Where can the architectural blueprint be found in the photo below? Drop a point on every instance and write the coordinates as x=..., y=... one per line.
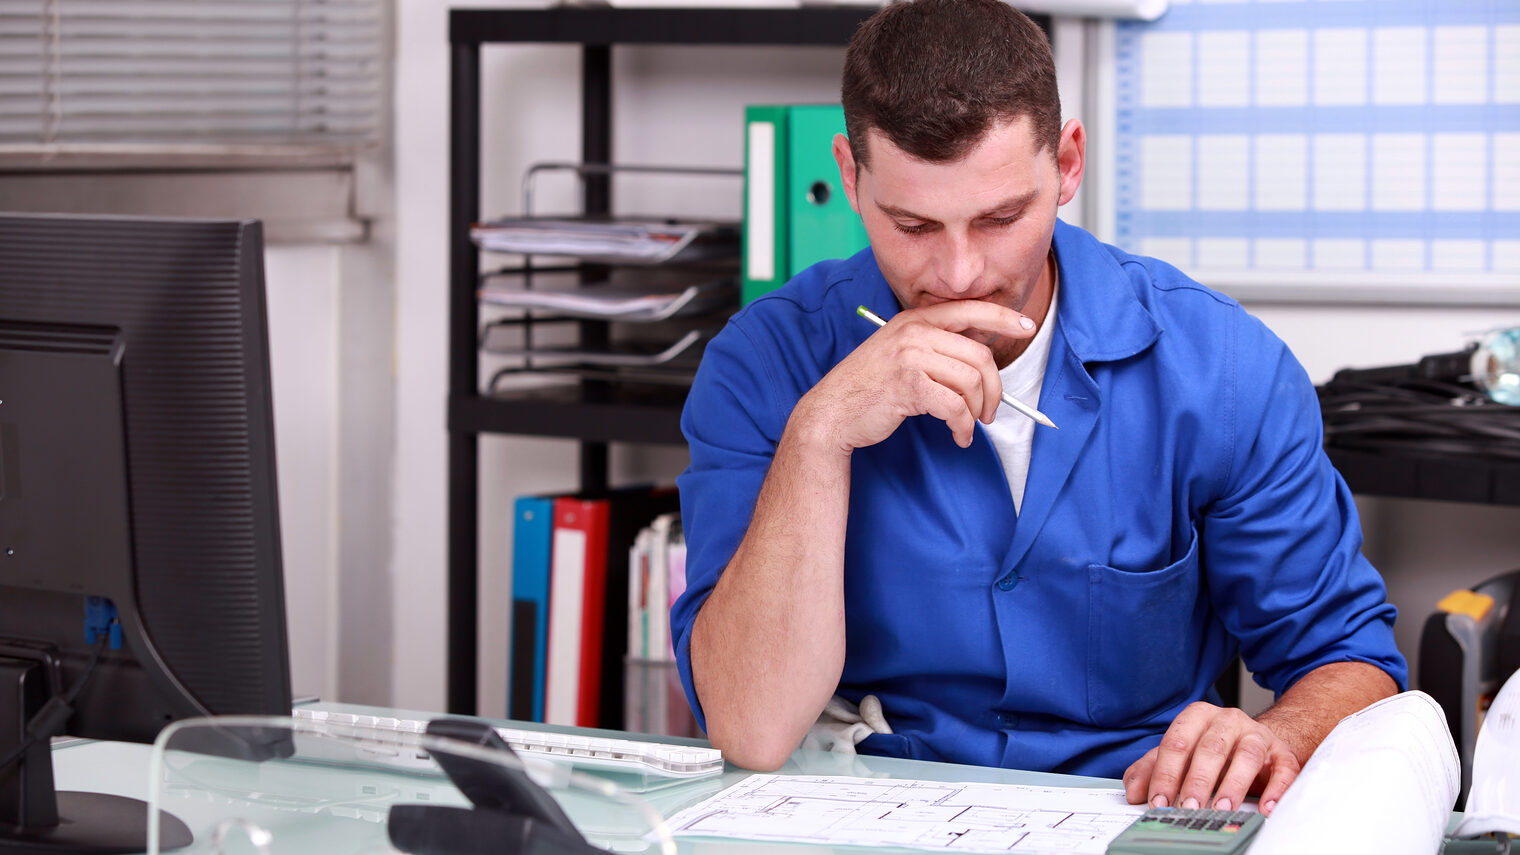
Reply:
x=838, y=811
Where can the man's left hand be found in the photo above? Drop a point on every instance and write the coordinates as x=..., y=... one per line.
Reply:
x=1213, y=757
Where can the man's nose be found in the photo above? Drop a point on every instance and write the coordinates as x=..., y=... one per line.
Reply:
x=961, y=264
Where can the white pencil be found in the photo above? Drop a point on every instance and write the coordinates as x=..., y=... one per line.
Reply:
x=1007, y=398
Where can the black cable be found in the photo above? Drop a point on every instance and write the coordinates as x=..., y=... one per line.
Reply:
x=49, y=720
x=1389, y=410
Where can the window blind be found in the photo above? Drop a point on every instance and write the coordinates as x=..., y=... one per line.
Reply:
x=240, y=77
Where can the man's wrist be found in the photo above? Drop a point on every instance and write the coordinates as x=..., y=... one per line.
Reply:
x=812, y=434
x=1294, y=733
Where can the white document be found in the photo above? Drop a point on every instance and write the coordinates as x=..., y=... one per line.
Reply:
x=1385, y=780
x=1494, y=802
x=840, y=811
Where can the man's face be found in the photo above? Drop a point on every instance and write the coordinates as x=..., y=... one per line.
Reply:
x=974, y=229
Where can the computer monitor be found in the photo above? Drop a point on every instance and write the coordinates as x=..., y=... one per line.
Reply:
x=140, y=576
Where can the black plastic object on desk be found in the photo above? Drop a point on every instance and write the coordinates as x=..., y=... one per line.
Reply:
x=510, y=813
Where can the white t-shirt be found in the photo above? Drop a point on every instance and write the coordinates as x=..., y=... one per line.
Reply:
x=1012, y=432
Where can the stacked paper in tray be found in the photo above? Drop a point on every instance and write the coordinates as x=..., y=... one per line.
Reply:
x=635, y=302
x=623, y=241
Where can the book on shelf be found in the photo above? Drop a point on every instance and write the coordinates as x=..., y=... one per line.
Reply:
x=616, y=240
x=532, y=536
x=631, y=511
x=577, y=580
x=570, y=580
x=656, y=702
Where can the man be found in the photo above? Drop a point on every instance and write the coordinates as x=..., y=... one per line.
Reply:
x=1014, y=595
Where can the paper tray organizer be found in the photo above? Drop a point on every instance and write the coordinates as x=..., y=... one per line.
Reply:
x=613, y=240
x=665, y=314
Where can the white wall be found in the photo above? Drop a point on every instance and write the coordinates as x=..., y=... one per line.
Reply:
x=683, y=105
x=330, y=329
x=302, y=306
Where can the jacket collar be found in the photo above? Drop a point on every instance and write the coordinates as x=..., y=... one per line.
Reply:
x=1101, y=317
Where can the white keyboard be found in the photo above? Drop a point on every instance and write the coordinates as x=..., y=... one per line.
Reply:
x=616, y=755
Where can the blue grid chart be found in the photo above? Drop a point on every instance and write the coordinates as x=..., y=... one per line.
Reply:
x=1345, y=137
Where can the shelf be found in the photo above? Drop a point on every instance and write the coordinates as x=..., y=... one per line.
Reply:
x=1442, y=477
x=624, y=412
x=680, y=26
x=594, y=412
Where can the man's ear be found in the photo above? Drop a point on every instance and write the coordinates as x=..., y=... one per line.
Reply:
x=1071, y=158
x=846, y=160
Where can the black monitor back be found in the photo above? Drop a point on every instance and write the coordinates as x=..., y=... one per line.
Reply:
x=166, y=506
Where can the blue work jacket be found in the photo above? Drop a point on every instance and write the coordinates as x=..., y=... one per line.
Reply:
x=1184, y=512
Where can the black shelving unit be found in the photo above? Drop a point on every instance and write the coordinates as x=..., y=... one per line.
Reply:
x=1413, y=474
x=596, y=413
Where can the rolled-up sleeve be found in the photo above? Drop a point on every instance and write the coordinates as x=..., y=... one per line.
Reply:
x=1282, y=543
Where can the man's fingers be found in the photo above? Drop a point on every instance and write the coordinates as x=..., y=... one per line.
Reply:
x=1251, y=756
x=963, y=379
x=1174, y=752
x=1285, y=769
x=1137, y=778
x=1210, y=754
x=979, y=358
x=960, y=316
x=1212, y=757
x=949, y=407
x=922, y=338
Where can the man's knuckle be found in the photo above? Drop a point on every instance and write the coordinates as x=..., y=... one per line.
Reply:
x=1164, y=779
x=1198, y=782
x=1175, y=743
x=969, y=372
x=1215, y=744
x=1254, y=748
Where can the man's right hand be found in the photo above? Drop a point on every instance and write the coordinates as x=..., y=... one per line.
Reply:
x=921, y=362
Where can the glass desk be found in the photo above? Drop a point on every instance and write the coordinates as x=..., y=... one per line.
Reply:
x=341, y=810
x=336, y=810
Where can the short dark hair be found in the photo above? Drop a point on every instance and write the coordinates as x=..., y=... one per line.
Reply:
x=934, y=76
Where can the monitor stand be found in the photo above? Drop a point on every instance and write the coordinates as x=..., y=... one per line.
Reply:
x=34, y=817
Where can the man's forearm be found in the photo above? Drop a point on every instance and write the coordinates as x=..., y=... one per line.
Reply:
x=768, y=646
x=1313, y=706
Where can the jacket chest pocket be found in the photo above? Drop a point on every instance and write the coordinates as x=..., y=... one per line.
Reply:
x=1143, y=639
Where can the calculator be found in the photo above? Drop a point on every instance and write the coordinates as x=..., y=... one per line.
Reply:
x=1165, y=831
